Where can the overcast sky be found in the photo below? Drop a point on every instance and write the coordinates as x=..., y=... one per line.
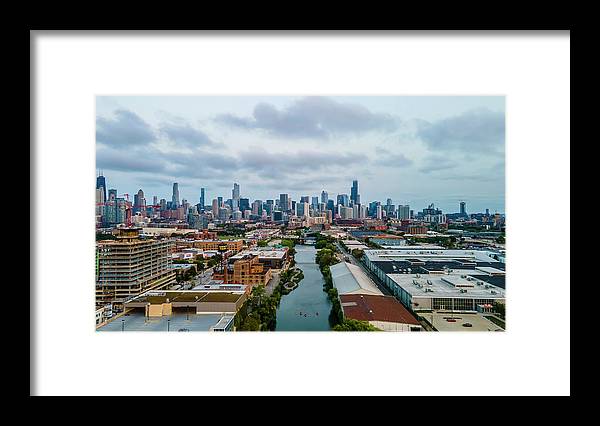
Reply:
x=413, y=149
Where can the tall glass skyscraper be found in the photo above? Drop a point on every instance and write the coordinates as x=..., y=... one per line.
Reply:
x=175, y=198
x=324, y=197
x=235, y=197
x=284, y=202
x=101, y=184
x=202, y=204
x=354, y=197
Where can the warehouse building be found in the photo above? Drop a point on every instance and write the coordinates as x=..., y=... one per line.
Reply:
x=350, y=279
x=164, y=303
x=383, y=312
x=432, y=279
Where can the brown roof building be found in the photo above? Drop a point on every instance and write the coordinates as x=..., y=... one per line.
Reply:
x=383, y=312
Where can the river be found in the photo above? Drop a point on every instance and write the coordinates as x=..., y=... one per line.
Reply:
x=307, y=307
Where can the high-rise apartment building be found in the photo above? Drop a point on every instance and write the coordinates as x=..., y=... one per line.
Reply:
x=128, y=266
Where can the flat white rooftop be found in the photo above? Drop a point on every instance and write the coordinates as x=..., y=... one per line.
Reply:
x=428, y=253
x=491, y=271
x=446, y=286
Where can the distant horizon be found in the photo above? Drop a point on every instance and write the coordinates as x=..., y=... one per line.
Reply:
x=416, y=150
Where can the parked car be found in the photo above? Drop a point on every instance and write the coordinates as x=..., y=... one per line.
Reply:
x=467, y=324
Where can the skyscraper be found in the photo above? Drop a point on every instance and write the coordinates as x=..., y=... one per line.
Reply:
x=284, y=202
x=175, y=198
x=354, y=197
x=215, y=208
x=235, y=197
x=202, y=199
x=463, y=208
x=404, y=212
x=101, y=184
x=315, y=203
x=342, y=199
x=324, y=197
x=139, y=202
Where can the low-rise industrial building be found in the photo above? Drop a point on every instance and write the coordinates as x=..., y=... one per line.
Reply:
x=383, y=312
x=432, y=279
x=164, y=303
x=351, y=279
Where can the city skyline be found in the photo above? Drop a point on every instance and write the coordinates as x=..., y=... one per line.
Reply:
x=208, y=201
x=413, y=150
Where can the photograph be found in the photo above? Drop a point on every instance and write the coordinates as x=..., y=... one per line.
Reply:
x=300, y=213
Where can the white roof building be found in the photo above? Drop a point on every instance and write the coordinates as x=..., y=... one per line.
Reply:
x=350, y=279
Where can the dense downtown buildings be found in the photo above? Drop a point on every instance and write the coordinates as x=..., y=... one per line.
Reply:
x=396, y=268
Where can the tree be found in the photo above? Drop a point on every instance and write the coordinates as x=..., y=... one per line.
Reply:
x=355, y=325
x=357, y=253
x=262, y=243
x=500, y=308
x=251, y=323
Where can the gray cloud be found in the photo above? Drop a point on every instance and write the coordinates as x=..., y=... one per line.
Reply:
x=436, y=163
x=274, y=164
x=391, y=159
x=312, y=117
x=479, y=130
x=185, y=135
x=111, y=159
x=124, y=130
